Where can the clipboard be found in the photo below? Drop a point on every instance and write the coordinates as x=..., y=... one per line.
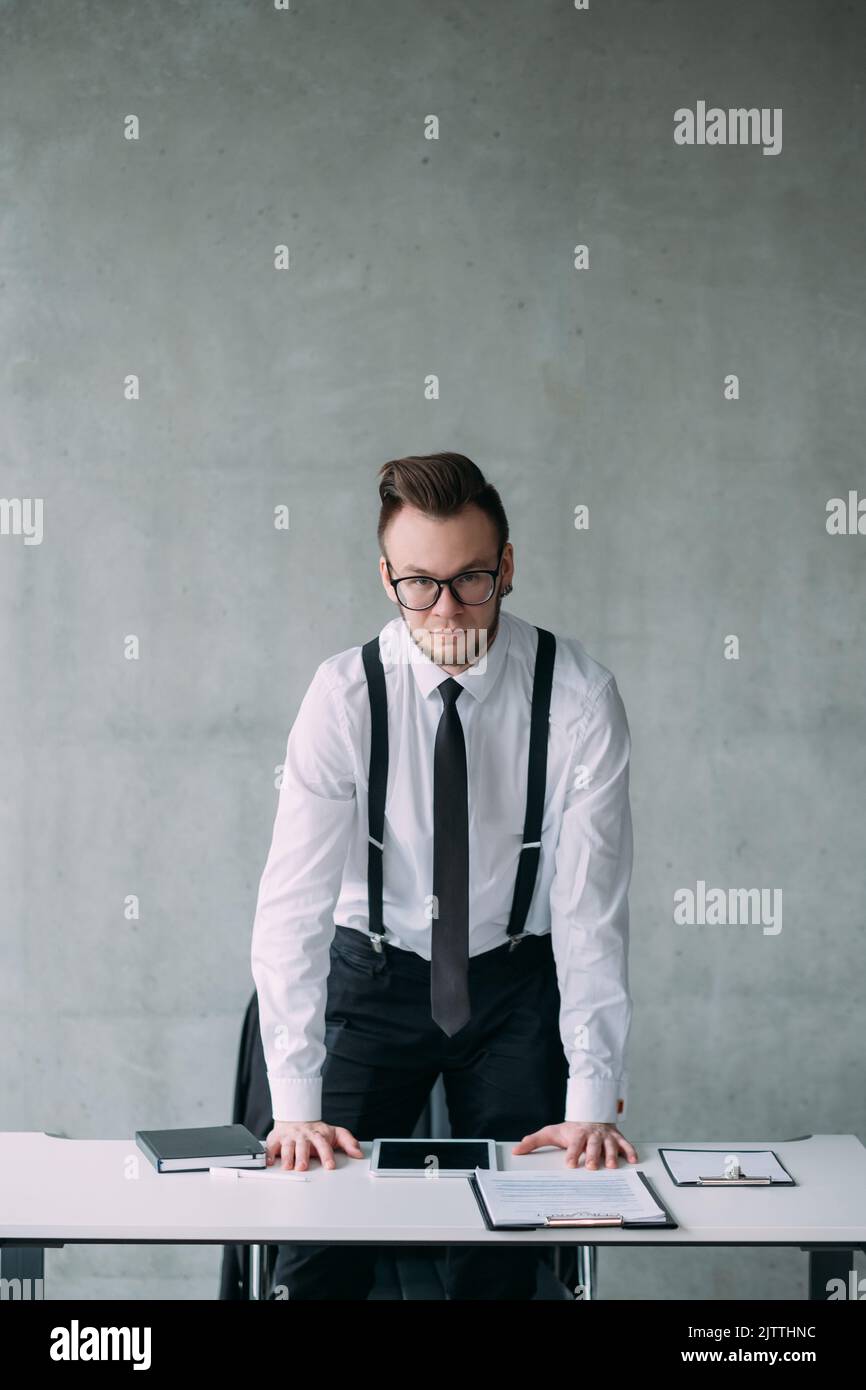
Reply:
x=717, y=1183
x=554, y=1223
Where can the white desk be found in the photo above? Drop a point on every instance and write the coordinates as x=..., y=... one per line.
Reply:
x=56, y=1192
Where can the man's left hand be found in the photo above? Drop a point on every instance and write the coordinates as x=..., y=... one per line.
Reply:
x=597, y=1140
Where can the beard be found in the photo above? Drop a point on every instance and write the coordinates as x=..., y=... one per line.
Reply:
x=464, y=649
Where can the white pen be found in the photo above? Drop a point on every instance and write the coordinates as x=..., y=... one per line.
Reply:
x=274, y=1172
x=234, y=1173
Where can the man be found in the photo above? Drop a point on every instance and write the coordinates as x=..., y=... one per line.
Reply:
x=357, y=1024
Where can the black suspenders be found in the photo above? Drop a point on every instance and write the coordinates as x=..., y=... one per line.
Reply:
x=377, y=785
x=537, y=775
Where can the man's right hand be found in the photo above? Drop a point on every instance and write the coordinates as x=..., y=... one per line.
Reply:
x=296, y=1140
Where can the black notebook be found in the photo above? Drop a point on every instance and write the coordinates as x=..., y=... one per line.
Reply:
x=207, y=1146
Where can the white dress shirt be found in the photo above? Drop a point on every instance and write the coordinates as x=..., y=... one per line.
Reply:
x=316, y=870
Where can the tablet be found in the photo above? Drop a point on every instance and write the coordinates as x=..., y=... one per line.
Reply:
x=418, y=1158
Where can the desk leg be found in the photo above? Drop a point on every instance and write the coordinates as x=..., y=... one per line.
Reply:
x=26, y=1264
x=825, y=1265
x=259, y=1272
x=586, y=1270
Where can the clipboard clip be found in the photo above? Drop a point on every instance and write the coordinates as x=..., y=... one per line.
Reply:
x=566, y=1220
x=741, y=1181
x=733, y=1176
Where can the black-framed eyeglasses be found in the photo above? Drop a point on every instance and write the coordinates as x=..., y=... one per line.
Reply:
x=422, y=591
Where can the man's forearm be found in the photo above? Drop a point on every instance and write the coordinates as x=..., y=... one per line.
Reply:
x=294, y=920
x=590, y=917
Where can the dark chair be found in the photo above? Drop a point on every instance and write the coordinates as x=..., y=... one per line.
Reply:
x=251, y=1107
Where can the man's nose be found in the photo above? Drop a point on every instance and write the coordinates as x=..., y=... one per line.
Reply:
x=446, y=606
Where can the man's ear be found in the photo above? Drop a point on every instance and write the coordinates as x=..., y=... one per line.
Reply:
x=508, y=561
x=386, y=580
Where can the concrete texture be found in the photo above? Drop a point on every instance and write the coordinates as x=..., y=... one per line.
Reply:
x=603, y=386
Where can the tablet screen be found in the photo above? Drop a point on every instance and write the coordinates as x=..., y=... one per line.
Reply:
x=450, y=1153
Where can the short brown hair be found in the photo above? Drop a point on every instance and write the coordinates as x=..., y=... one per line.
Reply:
x=438, y=485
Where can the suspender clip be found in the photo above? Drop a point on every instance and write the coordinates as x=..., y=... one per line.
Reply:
x=516, y=940
x=376, y=939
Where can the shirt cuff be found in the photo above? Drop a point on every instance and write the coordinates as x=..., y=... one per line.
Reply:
x=296, y=1097
x=594, y=1102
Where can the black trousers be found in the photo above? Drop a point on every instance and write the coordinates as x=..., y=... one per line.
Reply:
x=504, y=1073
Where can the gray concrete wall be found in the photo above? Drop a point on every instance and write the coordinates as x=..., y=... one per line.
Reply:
x=602, y=386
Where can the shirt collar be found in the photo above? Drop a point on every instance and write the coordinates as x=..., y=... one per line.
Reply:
x=479, y=679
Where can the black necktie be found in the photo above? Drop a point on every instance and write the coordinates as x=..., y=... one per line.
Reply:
x=449, y=972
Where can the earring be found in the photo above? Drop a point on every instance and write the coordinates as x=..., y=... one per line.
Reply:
x=507, y=590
